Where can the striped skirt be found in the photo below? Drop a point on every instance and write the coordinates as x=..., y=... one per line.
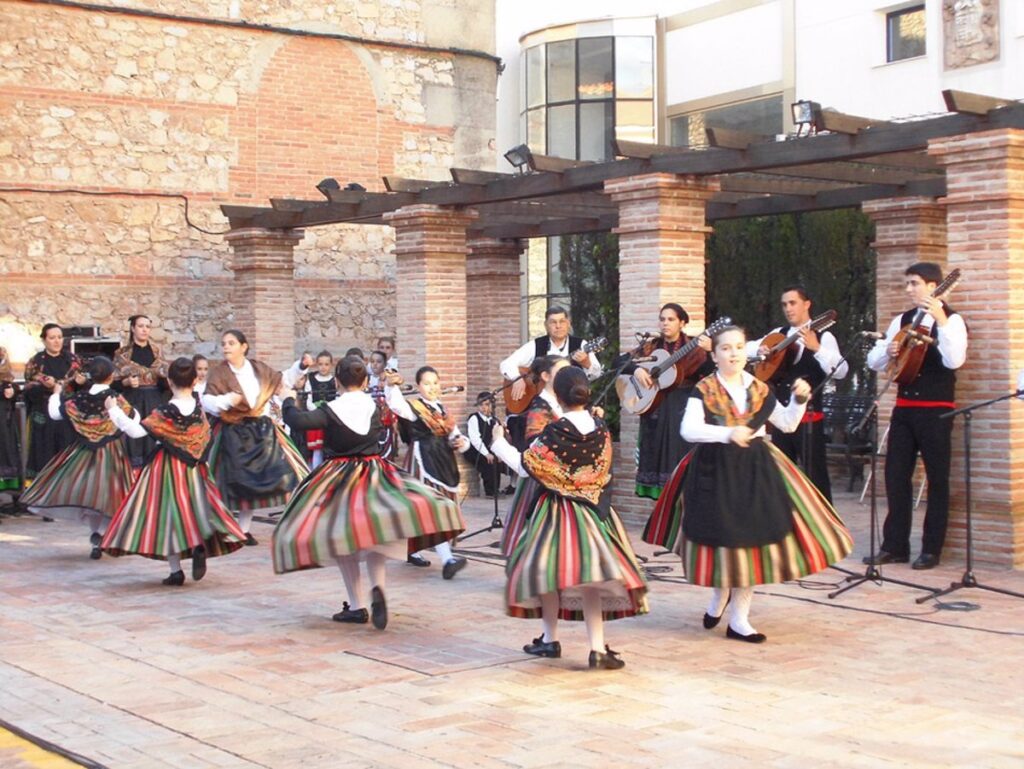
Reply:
x=82, y=480
x=518, y=514
x=276, y=499
x=171, y=509
x=349, y=505
x=566, y=546
x=819, y=537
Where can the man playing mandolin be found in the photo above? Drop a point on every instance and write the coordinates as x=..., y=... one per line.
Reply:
x=811, y=356
x=932, y=338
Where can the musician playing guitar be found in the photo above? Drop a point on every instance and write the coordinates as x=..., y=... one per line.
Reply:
x=660, y=444
x=915, y=427
x=812, y=356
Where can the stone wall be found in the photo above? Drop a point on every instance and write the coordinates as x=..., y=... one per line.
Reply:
x=137, y=108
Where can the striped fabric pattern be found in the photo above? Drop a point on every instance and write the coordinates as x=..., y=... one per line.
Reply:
x=819, y=539
x=172, y=509
x=518, y=514
x=350, y=504
x=666, y=522
x=292, y=455
x=81, y=480
x=564, y=546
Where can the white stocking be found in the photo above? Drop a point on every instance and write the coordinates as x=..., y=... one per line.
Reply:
x=174, y=561
x=349, y=566
x=593, y=618
x=317, y=459
x=549, y=615
x=719, y=598
x=245, y=520
x=740, y=610
x=445, y=551
x=375, y=567
x=95, y=521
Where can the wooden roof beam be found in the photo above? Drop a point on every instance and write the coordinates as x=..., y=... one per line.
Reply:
x=732, y=139
x=972, y=103
x=835, y=121
x=473, y=176
x=401, y=184
x=552, y=164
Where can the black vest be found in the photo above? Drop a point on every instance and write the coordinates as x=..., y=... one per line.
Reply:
x=806, y=368
x=340, y=440
x=934, y=382
x=542, y=344
x=322, y=392
x=486, y=429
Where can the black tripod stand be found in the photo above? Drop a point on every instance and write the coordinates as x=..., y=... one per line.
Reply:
x=873, y=572
x=968, y=579
x=496, y=522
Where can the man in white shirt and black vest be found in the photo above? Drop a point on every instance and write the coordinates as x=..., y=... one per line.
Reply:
x=814, y=355
x=558, y=341
x=915, y=426
x=479, y=429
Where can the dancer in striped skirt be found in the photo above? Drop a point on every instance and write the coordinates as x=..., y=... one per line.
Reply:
x=90, y=478
x=174, y=510
x=356, y=505
x=739, y=512
x=543, y=410
x=573, y=559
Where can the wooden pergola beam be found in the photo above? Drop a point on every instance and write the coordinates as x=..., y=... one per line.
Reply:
x=401, y=184
x=473, y=176
x=972, y=103
x=839, y=122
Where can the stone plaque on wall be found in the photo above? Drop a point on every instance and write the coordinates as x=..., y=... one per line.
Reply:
x=970, y=32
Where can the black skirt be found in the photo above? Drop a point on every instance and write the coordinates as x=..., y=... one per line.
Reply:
x=660, y=446
x=10, y=461
x=143, y=400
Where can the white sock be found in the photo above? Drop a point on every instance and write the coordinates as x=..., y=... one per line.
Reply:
x=593, y=618
x=95, y=521
x=375, y=567
x=549, y=616
x=445, y=551
x=349, y=566
x=719, y=597
x=739, y=610
x=174, y=561
x=245, y=520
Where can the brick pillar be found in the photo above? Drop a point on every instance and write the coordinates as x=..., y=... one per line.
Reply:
x=661, y=231
x=430, y=256
x=493, y=309
x=907, y=230
x=985, y=224
x=263, y=297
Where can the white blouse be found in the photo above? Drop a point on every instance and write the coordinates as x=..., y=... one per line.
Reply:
x=696, y=430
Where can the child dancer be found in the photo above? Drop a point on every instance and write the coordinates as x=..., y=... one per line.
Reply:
x=574, y=558
x=90, y=478
x=433, y=440
x=320, y=388
x=356, y=506
x=741, y=513
x=174, y=510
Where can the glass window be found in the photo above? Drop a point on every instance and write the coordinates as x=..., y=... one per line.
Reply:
x=555, y=284
x=562, y=131
x=536, y=135
x=634, y=121
x=634, y=68
x=760, y=116
x=905, y=33
x=535, y=76
x=597, y=125
x=595, y=68
x=561, y=71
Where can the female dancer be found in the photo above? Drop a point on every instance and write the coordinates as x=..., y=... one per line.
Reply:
x=90, y=478
x=356, y=506
x=174, y=510
x=574, y=558
x=48, y=437
x=543, y=410
x=660, y=446
x=253, y=462
x=10, y=459
x=740, y=513
x=433, y=440
x=142, y=372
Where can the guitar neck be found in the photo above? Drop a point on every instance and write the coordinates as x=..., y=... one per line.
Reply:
x=679, y=354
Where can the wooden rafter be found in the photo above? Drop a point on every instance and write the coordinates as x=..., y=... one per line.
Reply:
x=972, y=103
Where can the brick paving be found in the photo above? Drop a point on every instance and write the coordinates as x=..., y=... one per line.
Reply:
x=245, y=669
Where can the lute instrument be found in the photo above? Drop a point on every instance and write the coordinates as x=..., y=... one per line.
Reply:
x=637, y=399
x=780, y=346
x=914, y=339
x=519, y=405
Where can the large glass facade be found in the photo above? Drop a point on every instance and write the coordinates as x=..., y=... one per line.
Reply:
x=580, y=94
x=759, y=116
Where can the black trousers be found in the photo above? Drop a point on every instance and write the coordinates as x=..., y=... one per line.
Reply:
x=914, y=431
x=792, y=445
x=491, y=474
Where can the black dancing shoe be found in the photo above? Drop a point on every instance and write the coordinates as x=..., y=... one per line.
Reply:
x=606, y=660
x=250, y=539
x=378, y=608
x=750, y=638
x=925, y=561
x=883, y=557
x=417, y=560
x=541, y=648
x=453, y=567
x=176, y=579
x=711, y=621
x=510, y=489
x=95, y=539
x=355, y=616
x=198, y=563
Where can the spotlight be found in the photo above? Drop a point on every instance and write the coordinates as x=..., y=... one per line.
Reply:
x=355, y=187
x=519, y=157
x=806, y=113
x=326, y=186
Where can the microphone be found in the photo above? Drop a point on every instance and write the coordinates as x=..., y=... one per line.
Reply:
x=646, y=359
x=756, y=359
x=453, y=389
x=871, y=334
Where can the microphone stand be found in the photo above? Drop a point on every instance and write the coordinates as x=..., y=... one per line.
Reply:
x=496, y=522
x=968, y=579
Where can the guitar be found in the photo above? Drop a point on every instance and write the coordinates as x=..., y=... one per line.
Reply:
x=914, y=339
x=637, y=399
x=780, y=345
x=519, y=405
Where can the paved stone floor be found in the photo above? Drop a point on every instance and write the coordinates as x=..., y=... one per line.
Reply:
x=245, y=669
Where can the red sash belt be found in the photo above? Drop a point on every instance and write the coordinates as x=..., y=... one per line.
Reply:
x=906, y=403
